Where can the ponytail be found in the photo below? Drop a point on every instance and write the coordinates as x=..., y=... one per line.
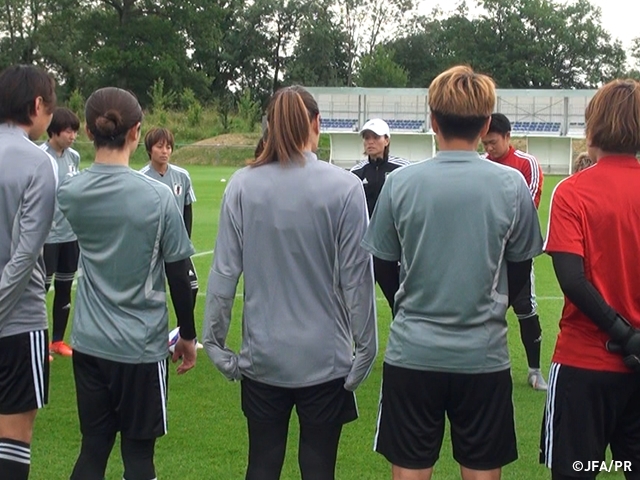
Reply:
x=289, y=118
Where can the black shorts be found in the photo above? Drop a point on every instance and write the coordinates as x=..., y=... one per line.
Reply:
x=411, y=418
x=586, y=411
x=525, y=305
x=121, y=397
x=325, y=404
x=193, y=276
x=24, y=372
x=61, y=259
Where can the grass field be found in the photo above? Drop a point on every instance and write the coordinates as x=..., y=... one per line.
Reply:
x=207, y=434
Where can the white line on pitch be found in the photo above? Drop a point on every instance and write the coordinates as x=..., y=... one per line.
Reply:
x=202, y=254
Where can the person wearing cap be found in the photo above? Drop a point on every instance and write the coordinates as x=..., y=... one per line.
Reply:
x=373, y=171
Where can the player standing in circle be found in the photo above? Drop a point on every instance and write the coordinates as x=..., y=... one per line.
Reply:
x=292, y=225
x=447, y=353
x=28, y=190
x=160, y=143
x=594, y=224
x=128, y=228
x=61, y=249
x=373, y=171
x=497, y=144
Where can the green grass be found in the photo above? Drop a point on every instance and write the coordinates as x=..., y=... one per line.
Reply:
x=207, y=437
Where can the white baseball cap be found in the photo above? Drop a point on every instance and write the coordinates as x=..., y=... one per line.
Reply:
x=377, y=126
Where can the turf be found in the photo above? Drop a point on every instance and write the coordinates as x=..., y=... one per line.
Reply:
x=207, y=433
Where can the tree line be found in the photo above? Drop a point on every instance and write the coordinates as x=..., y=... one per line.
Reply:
x=221, y=50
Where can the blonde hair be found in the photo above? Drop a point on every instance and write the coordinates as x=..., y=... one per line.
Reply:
x=581, y=162
x=613, y=117
x=461, y=101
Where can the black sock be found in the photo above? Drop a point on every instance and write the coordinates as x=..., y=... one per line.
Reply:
x=318, y=451
x=267, y=447
x=531, y=335
x=15, y=459
x=61, y=309
x=137, y=456
x=93, y=458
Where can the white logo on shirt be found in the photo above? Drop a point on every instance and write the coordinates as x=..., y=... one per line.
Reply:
x=364, y=182
x=177, y=189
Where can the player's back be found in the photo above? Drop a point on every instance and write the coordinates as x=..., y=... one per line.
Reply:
x=605, y=203
x=455, y=215
x=292, y=219
x=120, y=219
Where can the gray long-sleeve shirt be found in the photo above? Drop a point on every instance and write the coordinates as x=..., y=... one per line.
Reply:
x=294, y=233
x=68, y=164
x=27, y=199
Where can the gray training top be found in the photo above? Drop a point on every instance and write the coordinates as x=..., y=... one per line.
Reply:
x=27, y=197
x=68, y=164
x=127, y=225
x=294, y=232
x=453, y=221
x=178, y=180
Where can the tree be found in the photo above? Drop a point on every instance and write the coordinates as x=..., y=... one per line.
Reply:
x=320, y=56
x=634, y=72
x=217, y=38
x=278, y=22
x=434, y=44
x=367, y=23
x=379, y=70
x=520, y=43
x=131, y=43
x=20, y=21
x=545, y=44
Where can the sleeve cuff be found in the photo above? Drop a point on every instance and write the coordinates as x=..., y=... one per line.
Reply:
x=391, y=257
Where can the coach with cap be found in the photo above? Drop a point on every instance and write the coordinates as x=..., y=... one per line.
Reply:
x=372, y=171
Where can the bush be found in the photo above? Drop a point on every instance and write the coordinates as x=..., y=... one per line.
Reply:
x=76, y=103
x=161, y=100
x=248, y=110
x=188, y=99
x=194, y=114
x=224, y=106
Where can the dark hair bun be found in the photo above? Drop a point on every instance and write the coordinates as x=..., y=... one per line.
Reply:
x=109, y=123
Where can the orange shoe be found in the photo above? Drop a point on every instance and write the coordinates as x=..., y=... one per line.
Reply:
x=61, y=348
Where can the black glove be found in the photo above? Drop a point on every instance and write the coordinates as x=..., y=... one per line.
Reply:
x=625, y=339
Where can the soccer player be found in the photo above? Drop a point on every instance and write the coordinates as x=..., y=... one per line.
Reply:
x=128, y=226
x=292, y=226
x=455, y=222
x=61, y=248
x=373, y=171
x=159, y=143
x=594, y=224
x=28, y=184
x=497, y=144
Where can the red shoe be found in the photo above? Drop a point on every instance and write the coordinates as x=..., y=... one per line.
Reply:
x=61, y=348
